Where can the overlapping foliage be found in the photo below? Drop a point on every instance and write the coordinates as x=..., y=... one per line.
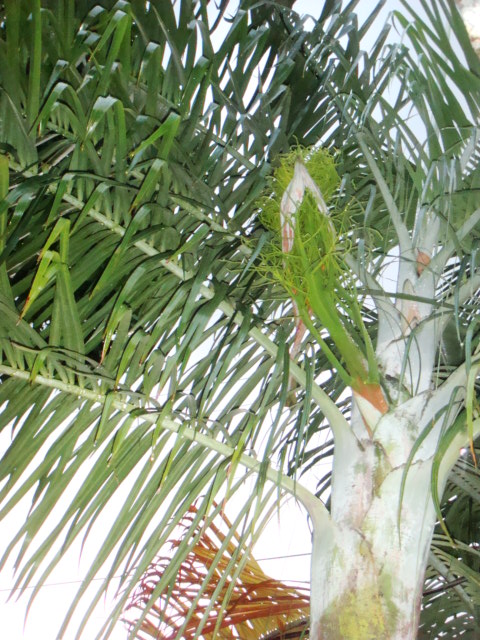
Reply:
x=141, y=349
x=257, y=605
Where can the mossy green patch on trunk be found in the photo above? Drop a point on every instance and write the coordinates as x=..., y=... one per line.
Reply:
x=357, y=615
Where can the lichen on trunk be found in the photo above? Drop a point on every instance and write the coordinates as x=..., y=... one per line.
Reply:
x=373, y=564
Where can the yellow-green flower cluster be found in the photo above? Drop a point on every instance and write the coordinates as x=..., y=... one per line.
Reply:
x=317, y=236
x=306, y=258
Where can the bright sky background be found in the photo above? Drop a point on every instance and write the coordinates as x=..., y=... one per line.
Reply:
x=285, y=539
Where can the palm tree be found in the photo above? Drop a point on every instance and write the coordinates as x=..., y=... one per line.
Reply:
x=199, y=203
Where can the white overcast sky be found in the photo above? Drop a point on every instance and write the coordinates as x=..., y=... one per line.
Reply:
x=284, y=539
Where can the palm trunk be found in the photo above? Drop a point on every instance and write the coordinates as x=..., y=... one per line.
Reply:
x=367, y=577
x=368, y=568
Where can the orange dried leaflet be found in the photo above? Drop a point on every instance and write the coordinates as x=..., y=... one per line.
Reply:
x=258, y=605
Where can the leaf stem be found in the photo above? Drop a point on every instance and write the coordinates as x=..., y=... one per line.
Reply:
x=314, y=505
